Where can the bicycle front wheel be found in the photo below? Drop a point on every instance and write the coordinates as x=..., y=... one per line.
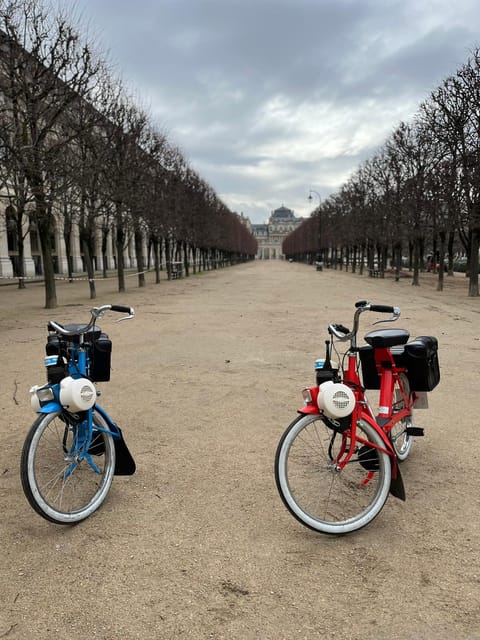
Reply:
x=316, y=491
x=60, y=483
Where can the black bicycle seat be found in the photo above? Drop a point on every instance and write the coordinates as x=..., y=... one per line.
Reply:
x=382, y=338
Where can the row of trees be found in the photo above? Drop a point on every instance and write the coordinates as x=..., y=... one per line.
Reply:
x=75, y=144
x=419, y=193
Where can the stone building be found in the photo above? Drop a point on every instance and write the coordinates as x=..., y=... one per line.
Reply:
x=9, y=258
x=270, y=236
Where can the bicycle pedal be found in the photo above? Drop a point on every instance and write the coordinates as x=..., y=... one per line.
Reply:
x=415, y=431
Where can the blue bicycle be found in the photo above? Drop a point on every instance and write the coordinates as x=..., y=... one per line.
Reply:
x=73, y=448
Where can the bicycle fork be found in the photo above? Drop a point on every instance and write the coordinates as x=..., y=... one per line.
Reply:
x=82, y=435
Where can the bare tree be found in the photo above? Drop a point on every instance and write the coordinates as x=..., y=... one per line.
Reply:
x=18, y=196
x=453, y=115
x=45, y=71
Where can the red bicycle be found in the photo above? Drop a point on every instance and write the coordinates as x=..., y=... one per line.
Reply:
x=338, y=461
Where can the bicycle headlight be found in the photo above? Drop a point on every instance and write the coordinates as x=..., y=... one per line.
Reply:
x=335, y=399
x=40, y=395
x=77, y=394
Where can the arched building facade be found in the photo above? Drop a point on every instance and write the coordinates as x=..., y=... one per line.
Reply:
x=270, y=236
x=32, y=255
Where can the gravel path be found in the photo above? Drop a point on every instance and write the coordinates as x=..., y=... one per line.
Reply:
x=197, y=544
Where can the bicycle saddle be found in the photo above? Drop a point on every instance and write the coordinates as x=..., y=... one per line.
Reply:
x=382, y=338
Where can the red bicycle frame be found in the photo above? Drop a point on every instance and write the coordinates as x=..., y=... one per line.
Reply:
x=382, y=424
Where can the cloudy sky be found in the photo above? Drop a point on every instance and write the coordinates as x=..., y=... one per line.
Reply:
x=269, y=99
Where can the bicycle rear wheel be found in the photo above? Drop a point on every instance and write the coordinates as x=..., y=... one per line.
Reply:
x=59, y=486
x=401, y=440
x=315, y=491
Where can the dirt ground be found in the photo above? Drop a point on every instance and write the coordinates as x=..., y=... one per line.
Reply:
x=197, y=544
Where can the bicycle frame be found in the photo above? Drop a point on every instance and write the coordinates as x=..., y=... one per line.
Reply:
x=78, y=364
x=73, y=448
x=338, y=460
x=362, y=408
x=382, y=424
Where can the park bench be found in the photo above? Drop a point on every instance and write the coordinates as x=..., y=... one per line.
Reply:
x=176, y=270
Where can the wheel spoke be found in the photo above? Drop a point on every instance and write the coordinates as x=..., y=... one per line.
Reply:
x=320, y=493
x=66, y=487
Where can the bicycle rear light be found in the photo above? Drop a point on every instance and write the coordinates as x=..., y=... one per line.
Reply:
x=335, y=399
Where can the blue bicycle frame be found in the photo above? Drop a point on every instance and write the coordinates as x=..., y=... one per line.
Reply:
x=78, y=365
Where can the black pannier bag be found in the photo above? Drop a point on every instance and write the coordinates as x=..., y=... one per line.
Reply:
x=55, y=347
x=421, y=361
x=419, y=357
x=58, y=371
x=101, y=356
x=370, y=377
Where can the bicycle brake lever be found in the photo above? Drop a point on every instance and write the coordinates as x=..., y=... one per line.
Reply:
x=394, y=318
x=131, y=315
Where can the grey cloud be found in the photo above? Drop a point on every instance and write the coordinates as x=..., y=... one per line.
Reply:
x=343, y=70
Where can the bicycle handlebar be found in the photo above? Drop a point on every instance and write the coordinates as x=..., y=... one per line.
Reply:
x=381, y=308
x=96, y=312
x=121, y=309
x=343, y=334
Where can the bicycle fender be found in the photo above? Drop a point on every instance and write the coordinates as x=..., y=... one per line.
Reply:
x=397, y=488
x=50, y=407
x=124, y=461
x=311, y=406
x=309, y=409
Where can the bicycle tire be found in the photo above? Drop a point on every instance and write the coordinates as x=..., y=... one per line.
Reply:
x=315, y=492
x=401, y=440
x=54, y=491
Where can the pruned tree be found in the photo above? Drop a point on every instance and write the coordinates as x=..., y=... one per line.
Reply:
x=45, y=71
x=454, y=118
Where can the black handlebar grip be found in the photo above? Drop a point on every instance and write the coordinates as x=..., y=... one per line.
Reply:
x=381, y=308
x=120, y=308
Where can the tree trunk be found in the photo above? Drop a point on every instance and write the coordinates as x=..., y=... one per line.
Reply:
x=21, y=254
x=362, y=259
x=416, y=263
x=168, y=260
x=473, y=278
x=140, y=262
x=44, y=232
x=105, y=233
x=87, y=256
x=67, y=235
x=156, y=259
x=120, y=242
x=441, y=269
x=186, y=263
x=451, y=239
x=398, y=261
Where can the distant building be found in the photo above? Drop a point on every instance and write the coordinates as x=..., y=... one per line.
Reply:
x=271, y=235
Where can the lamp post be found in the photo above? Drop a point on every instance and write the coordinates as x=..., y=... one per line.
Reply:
x=319, y=254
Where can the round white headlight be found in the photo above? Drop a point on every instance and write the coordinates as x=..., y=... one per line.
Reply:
x=77, y=394
x=335, y=399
